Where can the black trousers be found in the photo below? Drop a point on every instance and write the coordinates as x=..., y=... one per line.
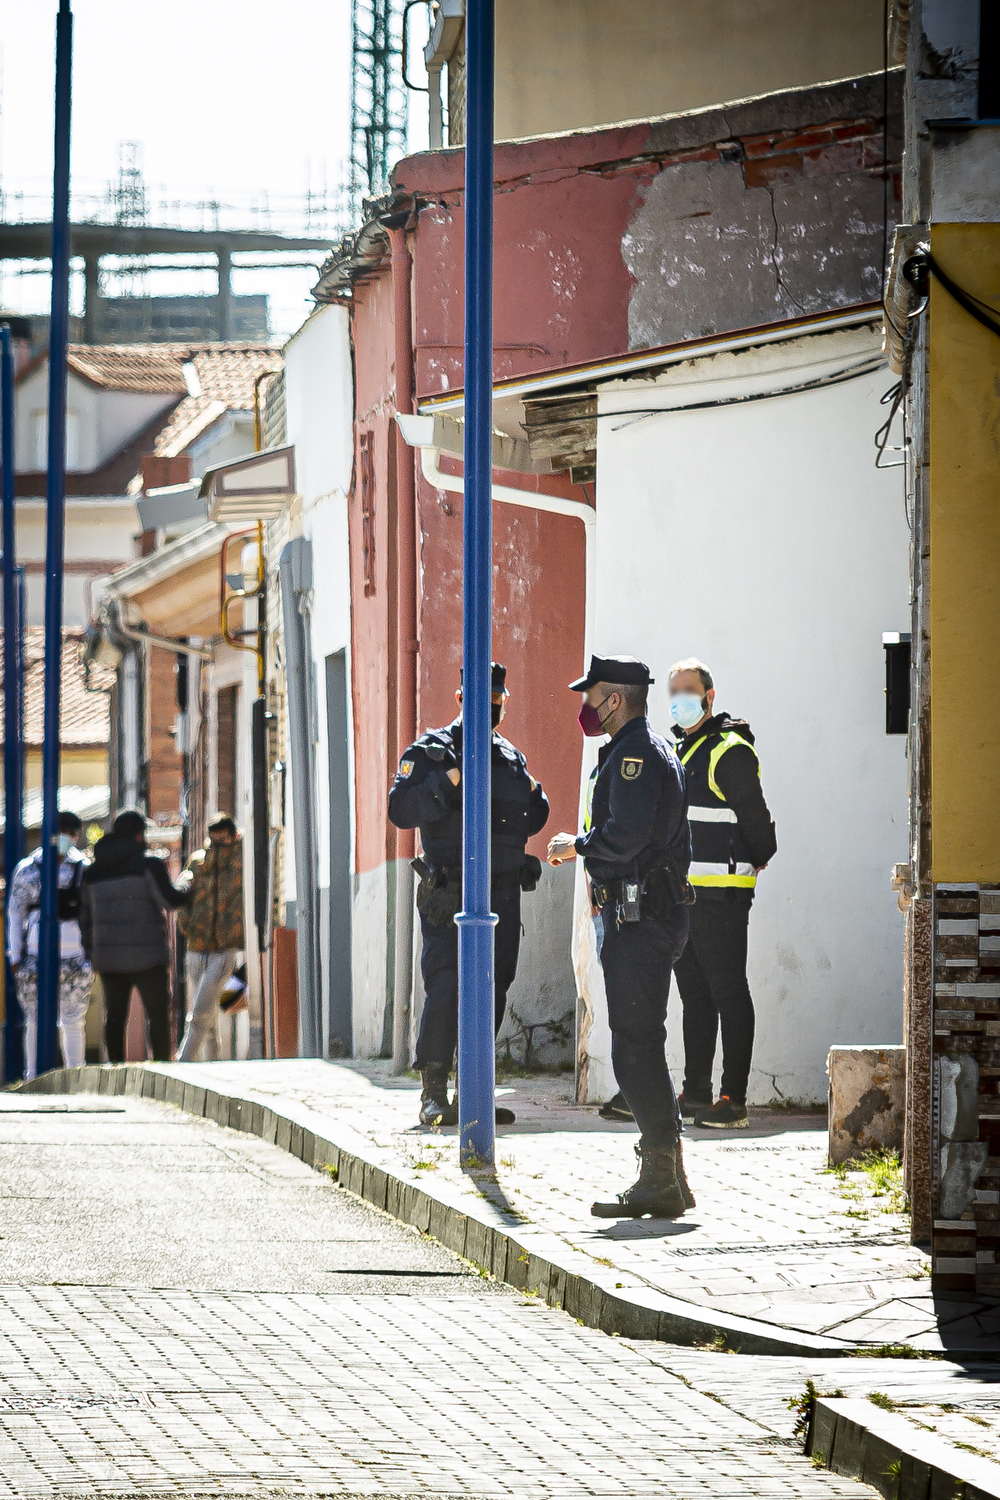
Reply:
x=637, y=958
x=154, y=992
x=712, y=978
x=439, y=966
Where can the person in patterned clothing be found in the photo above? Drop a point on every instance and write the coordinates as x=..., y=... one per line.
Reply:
x=76, y=977
x=213, y=927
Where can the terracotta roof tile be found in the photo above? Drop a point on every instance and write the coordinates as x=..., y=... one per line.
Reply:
x=225, y=374
x=85, y=718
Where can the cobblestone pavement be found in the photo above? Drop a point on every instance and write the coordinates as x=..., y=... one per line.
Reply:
x=775, y=1237
x=127, y=1368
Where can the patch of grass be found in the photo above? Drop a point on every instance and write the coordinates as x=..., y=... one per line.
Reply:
x=508, y=1162
x=818, y=1459
x=884, y=1170
x=979, y=1452
x=602, y=1260
x=894, y=1351
x=332, y=1168
x=802, y=1405
x=979, y=1421
x=879, y=1398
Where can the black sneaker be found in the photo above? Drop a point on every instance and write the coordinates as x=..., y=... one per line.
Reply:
x=617, y=1109
x=723, y=1115
x=689, y=1107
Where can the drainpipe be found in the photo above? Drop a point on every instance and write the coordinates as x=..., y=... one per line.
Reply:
x=406, y=629
x=430, y=466
x=296, y=573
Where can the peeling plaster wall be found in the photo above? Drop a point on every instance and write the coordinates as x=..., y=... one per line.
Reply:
x=780, y=230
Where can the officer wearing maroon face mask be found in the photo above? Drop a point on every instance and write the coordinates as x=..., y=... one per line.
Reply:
x=637, y=851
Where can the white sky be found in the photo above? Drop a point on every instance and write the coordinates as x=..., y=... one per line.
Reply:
x=230, y=99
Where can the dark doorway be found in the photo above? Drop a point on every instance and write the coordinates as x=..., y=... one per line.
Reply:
x=229, y=698
x=339, y=951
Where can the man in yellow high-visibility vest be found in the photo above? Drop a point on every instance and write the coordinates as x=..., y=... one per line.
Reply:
x=732, y=840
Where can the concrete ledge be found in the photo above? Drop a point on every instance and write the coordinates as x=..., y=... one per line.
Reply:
x=861, y=1441
x=492, y=1238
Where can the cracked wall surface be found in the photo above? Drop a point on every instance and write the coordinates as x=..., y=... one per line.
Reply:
x=758, y=231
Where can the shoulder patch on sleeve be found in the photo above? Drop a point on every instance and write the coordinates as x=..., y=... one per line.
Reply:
x=406, y=768
x=632, y=767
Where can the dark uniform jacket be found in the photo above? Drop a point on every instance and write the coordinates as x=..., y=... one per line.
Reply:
x=124, y=896
x=423, y=797
x=639, y=810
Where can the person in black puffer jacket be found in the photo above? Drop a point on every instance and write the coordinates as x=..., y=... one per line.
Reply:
x=126, y=893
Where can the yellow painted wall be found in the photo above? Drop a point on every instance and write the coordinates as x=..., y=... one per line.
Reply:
x=965, y=560
x=566, y=64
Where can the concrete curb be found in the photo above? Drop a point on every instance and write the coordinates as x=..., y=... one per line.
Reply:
x=492, y=1238
x=862, y=1441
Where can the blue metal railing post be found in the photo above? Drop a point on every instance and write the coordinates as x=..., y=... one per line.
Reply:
x=12, y=1051
x=476, y=1063
x=55, y=494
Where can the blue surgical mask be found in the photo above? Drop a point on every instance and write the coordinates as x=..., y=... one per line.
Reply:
x=65, y=843
x=687, y=708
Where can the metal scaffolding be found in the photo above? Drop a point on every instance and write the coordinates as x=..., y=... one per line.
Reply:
x=378, y=98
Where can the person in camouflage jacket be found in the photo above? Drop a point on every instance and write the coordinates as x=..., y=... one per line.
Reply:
x=212, y=924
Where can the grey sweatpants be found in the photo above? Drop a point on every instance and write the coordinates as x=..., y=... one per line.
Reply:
x=206, y=976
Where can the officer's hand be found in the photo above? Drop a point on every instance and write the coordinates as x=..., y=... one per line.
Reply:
x=454, y=775
x=562, y=847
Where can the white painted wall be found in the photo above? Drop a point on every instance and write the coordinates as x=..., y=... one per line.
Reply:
x=101, y=531
x=761, y=538
x=99, y=422
x=319, y=398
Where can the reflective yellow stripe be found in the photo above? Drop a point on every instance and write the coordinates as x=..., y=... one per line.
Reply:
x=742, y=880
x=589, y=800
x=729, y=739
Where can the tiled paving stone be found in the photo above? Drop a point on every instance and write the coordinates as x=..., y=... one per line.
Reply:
x=164, y=1381
x=775, y=1237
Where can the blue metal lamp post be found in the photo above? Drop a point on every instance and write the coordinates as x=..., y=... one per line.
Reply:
x=476, y=1063
x=12, y=1061
x=55, y=494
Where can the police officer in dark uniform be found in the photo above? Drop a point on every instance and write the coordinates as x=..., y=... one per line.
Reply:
x=637, y=852
x=426, y=794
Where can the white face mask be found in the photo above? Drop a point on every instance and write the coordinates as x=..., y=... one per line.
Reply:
x=66, y=842
x=687, y=708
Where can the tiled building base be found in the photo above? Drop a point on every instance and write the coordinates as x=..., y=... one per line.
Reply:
x=965, y=1126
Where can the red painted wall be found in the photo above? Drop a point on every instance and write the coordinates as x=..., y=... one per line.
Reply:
x=561, y=297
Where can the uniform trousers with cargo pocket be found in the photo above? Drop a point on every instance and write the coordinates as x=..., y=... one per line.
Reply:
x=637, y=958
x=439, y=969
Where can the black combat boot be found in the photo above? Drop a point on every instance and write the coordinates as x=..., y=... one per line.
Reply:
x=682, y=1181
x=658, y=1191
x=617, y=1109
x=435, y=1106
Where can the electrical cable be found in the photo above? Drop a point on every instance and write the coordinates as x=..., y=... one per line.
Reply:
x=854, y=372
x=974, y=306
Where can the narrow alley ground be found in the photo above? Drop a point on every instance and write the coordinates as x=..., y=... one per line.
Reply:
x=185, y=1309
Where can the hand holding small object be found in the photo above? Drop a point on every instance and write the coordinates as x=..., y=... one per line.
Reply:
x=562, y=847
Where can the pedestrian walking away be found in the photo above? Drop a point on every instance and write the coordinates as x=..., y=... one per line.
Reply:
x=636, y=852
x=212, y=924
x=125, y=895
x=733, y=839
x=76, y=977
x=427, y=794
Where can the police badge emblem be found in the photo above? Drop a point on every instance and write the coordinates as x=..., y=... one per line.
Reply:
x=406, y=768
x=632, y=767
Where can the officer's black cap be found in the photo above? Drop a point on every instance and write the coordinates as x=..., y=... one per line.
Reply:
x=614, y=669
x=498, y=677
